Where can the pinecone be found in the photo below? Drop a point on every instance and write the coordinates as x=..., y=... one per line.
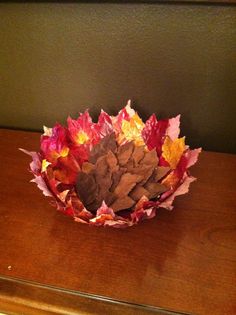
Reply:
x=120, y=175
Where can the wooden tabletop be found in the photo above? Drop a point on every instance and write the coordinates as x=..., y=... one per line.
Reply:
x=183, y=260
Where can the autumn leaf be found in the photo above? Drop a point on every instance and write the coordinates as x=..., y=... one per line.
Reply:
x=172, y=150
x=132, y=130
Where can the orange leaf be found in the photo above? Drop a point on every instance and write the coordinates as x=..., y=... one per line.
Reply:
x=172, y=150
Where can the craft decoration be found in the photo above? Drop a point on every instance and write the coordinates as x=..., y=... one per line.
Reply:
x=115, y=172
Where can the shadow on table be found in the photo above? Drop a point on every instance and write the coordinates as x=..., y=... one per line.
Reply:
x=115, y=262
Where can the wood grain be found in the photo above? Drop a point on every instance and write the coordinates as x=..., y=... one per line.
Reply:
x=27, y=298
x=182, y=260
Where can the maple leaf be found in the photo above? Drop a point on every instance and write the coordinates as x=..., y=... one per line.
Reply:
x=154, y=133
x=172, y=150
x=131, y=130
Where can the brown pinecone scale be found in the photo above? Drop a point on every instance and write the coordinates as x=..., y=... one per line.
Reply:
x=120, y=175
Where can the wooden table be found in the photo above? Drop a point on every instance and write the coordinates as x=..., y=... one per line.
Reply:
x=182, y=261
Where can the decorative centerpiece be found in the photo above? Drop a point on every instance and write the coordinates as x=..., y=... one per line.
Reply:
x=115, y=172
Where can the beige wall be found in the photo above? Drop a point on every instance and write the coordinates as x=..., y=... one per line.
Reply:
x=58, y=59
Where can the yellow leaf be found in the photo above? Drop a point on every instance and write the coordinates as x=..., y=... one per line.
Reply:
x=172, y=150
x=45, y=164
x=131, y=130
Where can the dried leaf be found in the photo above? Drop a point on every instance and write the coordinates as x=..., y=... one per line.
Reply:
x=160, y=172
x=116, y=176
x=126, y=184
x=138, y=192
x=86, y=188
x=112, y=161
x=155, y=189
x=122, y=176
x=138, y=154
x=122, y=203
x=108, y=143
x=150, y=158
x=87, y=167
x=124, y=153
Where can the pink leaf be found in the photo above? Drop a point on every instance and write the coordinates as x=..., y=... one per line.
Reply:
x=104, y=126
x=173, y=129
x=192, y=156
x=42, y=186
x=104, y=209
x=181, y=190
x=36, y=164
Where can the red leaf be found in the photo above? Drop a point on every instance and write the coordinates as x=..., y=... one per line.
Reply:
x=104, y=125
x=154, y=133
x=56, y=145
